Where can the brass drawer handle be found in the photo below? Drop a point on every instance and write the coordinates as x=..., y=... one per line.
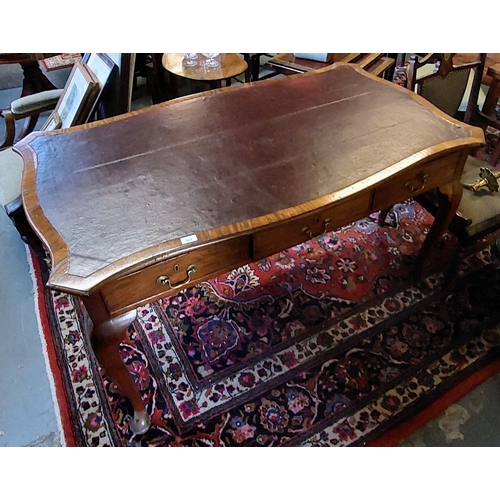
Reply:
x=309, y=232
x=164, y=280
x=412, y=188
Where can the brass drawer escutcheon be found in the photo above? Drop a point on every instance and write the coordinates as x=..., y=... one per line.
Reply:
x=164, y=280
x=310, y=233
x=168, y=276
x=423, y=179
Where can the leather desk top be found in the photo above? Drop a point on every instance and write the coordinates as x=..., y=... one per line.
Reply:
x=114, y=196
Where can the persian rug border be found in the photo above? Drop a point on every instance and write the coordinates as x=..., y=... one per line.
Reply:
x=397, y=434
x=316, y=358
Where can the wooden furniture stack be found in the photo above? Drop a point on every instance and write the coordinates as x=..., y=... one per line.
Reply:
x=288, y=64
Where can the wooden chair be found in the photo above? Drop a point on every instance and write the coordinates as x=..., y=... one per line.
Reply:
x=478, y=216
x=446, y=85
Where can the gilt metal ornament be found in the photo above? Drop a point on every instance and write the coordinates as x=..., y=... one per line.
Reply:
x=487, y=178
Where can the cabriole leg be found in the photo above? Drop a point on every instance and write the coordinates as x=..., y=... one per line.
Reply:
x=449, y=197
x=105, y=338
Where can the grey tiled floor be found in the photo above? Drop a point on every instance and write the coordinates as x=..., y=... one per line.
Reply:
x=26, y=410
x=472, y=421
x=27, y=416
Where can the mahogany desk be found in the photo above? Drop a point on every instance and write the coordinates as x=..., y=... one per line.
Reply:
x=134, y=207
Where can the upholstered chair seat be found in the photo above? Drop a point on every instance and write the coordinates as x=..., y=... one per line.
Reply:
x=11, y=170
x=481, y=209
x=34, y=102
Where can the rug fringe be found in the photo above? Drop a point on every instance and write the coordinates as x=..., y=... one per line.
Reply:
x=61, y=61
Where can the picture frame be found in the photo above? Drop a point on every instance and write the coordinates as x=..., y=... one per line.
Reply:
x=78, y=96
x=53, y=122
x=100, y=66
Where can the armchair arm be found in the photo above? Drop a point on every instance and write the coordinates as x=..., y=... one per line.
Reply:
x=29, y=107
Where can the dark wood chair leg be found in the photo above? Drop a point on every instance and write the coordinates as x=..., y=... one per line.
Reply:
x=29, y=124
x=255, y=67
x=248, y=74
x=382, y=218
x=159, y=88
x=10, y=128
x=389, y=74
x=448, y=198
x=34, y=79
x=16, y=213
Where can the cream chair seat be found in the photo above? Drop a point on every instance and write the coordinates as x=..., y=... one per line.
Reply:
x=11, y=170
x=481, y=209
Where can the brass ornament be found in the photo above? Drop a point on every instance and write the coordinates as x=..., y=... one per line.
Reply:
x=486, y=178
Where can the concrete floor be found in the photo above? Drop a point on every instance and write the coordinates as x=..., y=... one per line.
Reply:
x=27, y=415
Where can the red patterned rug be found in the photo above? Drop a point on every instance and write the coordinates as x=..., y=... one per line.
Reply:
x=61, y=61
x=325, y=344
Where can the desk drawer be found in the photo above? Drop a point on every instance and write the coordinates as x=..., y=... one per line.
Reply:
x=418, y=180
x=174, y=274
x=275, y=239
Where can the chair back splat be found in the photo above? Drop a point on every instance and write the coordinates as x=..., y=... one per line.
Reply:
x=452, y=88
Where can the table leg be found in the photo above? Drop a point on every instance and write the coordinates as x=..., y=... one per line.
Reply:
x=492, y=97
x=34, y=79
x=105, y=338
x=214, y=84
x=449, y=197
x=489, y=108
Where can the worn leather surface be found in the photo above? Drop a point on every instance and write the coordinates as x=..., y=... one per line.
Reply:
x=220, y=158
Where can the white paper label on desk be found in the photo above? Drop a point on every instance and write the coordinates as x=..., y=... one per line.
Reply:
x=189, y=239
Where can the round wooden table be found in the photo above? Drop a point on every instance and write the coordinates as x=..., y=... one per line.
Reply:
x=231, y=65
